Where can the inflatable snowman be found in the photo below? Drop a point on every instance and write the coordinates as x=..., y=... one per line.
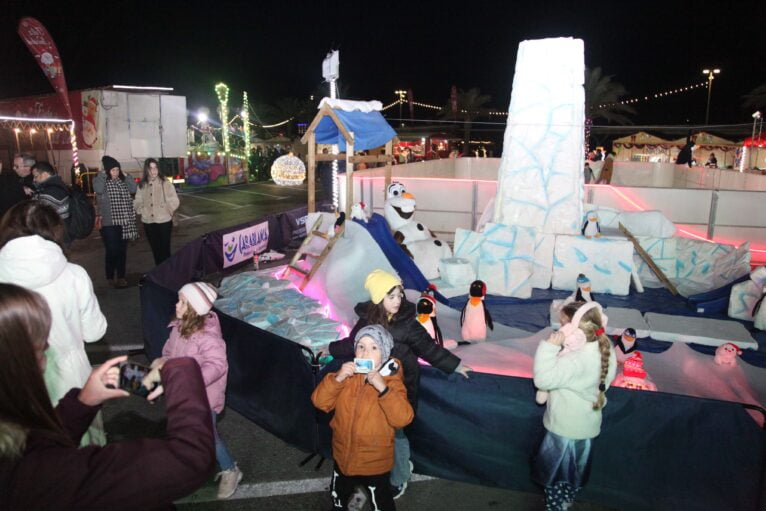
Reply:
x=415, y=238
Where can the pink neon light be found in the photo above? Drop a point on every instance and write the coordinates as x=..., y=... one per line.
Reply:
x=689, y=234
x=407, y=178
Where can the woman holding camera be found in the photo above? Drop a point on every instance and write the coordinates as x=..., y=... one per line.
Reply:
x=41, y=466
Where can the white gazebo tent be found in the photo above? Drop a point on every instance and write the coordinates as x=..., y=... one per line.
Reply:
x=642, y=146
x=706, y=143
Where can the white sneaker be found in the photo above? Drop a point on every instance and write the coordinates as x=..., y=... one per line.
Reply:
x=229, y=481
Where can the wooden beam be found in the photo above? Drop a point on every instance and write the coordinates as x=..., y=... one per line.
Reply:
x=373, y=158
x=314, y=123
x=312, y=173
x=349, y=175
x=330, y=157
x=648, y=259
x=390, y=154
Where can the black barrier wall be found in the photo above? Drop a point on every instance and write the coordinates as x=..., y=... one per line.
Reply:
x=657, y=451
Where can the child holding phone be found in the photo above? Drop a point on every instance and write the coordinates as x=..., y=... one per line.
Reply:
x=369, y=407
x=196, y=333
x=576, y=381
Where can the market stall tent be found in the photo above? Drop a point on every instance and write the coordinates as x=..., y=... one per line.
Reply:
x=642, y=146
x=353, y=126
x=706, y=143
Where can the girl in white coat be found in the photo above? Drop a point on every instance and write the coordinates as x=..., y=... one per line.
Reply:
x=31, y=237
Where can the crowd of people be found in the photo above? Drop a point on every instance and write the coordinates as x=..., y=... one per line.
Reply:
x=50, y=397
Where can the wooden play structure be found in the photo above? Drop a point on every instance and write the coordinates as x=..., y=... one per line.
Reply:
x=326, y=110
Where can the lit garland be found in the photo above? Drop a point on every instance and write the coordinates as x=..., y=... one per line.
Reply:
x=75, y=152
x=655, y=95
x=222, y=91
x=246, y=121
x=287, y=170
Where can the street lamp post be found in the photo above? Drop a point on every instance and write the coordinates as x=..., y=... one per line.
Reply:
x=402, y=94
x=710, y=76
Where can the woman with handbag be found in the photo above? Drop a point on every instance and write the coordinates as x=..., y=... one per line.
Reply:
x=117, y=217
x=156, y=201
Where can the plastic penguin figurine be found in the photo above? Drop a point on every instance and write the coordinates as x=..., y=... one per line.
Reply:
x=426, y=315
x=339, y=220
x=726, y=354
x=633, y=375
x=582, y=293
x=591, y=228
x=625, y=345
x=475, y=318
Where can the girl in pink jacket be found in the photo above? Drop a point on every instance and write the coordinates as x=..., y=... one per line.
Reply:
x=197, y=334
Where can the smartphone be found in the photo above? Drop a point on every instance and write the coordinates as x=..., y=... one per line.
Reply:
x=363, y=365
x=131, y=376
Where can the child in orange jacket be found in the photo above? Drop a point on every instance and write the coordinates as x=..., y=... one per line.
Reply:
x=368, y=408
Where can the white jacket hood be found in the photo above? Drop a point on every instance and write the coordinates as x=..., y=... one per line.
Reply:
x=31, y=261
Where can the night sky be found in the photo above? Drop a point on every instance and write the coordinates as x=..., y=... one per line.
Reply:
x=275, y=49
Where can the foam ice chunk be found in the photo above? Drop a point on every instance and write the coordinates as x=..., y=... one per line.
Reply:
x=540, y=181
x=456, y=271
x=710, y=332
x=702, y=266
x=468, y=245
x=542, y=265
x=647, y=223
x=507, y=277
x=663, y=253
x=745, y=295
x=607, y=262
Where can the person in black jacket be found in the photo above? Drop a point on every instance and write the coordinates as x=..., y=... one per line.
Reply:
x=11, y=191
x=41, y=464
x=388, y=307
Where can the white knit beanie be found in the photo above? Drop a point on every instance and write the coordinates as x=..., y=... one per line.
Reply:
x=200, y=296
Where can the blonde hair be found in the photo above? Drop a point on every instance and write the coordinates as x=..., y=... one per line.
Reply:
x=590, y=324
x=190, y=322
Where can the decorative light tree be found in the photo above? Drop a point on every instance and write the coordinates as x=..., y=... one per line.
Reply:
x=222, y=91
x=246, y=123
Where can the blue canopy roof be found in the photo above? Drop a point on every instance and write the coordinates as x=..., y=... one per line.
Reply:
x=370, y=130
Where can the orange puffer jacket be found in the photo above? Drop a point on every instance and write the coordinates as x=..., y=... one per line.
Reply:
x=364, y=422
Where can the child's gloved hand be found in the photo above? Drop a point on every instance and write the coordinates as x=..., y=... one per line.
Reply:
x=463, y=370
x=345, y=371
x=376, y=380
x=557, y=338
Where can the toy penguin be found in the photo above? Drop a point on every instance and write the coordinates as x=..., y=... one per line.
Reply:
x=625, y=345
x=341, y=218
x=582, y=293
x=475, y=318
x=591, y=228
x=426, y=315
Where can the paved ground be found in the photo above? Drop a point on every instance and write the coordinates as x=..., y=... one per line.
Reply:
x=273, y=479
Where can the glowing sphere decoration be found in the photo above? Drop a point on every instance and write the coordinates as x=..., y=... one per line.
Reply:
x=288, y=170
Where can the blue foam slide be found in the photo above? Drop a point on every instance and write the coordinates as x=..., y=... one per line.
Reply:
x=712, y=306
x=410, y=274
x=715, y=294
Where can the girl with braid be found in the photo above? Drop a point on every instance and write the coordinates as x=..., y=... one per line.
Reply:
x=576, y=382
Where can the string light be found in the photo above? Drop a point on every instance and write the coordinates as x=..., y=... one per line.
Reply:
x=246, y=121
x=656, y=95
x=222, y=91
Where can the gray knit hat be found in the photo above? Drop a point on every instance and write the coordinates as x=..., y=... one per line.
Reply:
x=381, y=337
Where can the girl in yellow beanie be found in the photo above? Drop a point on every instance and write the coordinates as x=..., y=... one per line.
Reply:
x=389, y=307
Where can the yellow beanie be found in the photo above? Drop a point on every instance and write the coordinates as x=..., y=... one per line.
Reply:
x=379, y=283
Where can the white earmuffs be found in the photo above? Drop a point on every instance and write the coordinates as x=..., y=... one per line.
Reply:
x=575, y=337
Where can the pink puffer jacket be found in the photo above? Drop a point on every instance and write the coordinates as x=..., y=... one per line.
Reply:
x=208, y=348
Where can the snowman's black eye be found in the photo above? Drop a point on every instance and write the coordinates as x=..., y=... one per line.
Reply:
x=396, y=192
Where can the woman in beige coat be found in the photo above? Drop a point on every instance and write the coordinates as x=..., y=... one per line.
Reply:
x=156, y=201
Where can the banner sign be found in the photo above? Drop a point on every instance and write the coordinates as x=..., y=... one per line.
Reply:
x=245, y=243
x=41, y=44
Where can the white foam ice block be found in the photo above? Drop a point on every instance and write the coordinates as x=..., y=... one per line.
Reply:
x=607, y=262
x=619, y=319
x=689, y=329
x=540, y=181
x=745, y=295
x=503, y=242
x=506, y=277
x=456, y=271
x=647, y=223
x=468, y=245
x=542, y=265
x=703, y=266
x=663, y=253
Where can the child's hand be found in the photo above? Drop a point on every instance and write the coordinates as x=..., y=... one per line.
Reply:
x=376, y=380
x=463, y=370
x=345, y=371
x=158, y=362
x=557, y=338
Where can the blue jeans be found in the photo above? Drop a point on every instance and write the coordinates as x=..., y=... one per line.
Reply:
x=222, y=455
x=401, y=473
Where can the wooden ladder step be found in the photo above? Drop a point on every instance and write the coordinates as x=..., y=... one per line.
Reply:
x=648, y=259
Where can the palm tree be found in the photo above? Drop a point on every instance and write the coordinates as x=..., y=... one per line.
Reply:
x=470, y=105
x=288, y=108
x=602, y=98
x=756, y=98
